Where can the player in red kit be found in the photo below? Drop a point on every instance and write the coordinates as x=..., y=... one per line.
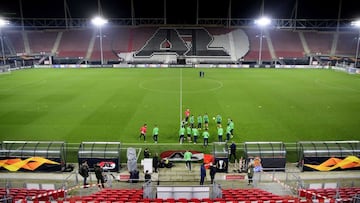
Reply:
x=143, y=131
x=187, y=115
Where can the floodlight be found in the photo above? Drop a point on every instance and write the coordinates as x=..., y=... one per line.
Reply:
x=263, y=21
x=3, y=22
x=356, y=23
x=98, y=21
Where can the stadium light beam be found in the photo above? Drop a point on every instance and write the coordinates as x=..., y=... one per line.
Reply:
x=3, y=23
x=357, y=25
x=99, y=22
x=262, y=23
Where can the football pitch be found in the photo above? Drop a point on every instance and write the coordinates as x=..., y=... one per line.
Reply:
x=95, y=104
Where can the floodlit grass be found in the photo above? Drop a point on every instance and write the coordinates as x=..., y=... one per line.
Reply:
x=76, y=105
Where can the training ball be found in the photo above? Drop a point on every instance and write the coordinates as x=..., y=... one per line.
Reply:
x=213, y=118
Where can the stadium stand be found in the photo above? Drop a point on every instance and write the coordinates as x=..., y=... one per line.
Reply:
x=15, y=41
x=114, y=195
x=232, y=191
x=139, y=36
x=229, y=195
x=252, y=194
x=109, y=54
x=156, y=43
x=203, y=47
x=8, y=47
x=115, y=40
x=74, y=43
x=135, y=40
x=123, y=43
x=319, y=42
x=196, y=45
x=19, y=194
x=181, y=41
x=341, y=194
x=346, y=45
x=287, y=44
x=41, y=41
x=253, y=54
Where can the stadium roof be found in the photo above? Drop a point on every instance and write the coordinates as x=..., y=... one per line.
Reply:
x=29, y=12
x=180, y=11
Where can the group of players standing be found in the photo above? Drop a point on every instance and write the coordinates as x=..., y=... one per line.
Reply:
x=188, y=127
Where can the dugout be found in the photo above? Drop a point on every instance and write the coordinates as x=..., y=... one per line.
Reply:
x=221, y=156
x=45, y=156
x=107, y=154
x=266, y=156
x=328, y=155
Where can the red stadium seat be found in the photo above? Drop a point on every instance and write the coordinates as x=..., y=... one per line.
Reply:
x=182, y=200
x=169, y=200
x=194, y=200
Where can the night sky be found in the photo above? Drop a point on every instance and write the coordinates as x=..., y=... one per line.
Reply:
x=183, y=11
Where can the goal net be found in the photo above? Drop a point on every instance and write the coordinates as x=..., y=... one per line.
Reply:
x=4, y=69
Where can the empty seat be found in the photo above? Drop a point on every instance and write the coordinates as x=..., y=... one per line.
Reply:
x=48, y=186
x=32, y=186
x=315, y=186
x=330, y=185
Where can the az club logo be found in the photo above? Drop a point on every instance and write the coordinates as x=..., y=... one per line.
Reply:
x=191, y=42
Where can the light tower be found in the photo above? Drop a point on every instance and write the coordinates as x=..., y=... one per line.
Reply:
x=262, y=22
x=357, y=25
x=3, y=23
x=99, y=22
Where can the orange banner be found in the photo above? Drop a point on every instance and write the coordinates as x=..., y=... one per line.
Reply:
x=31, y=163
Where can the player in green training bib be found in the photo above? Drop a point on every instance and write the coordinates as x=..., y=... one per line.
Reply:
x=228, y=133
x=155, y=133
x=206, y=121
x=199, y=122
x=188, y=133
x=181, y=134
x=218, y=120
x=195, y=133
x=231, y=124
x=206, y=136
x=192, y=121
x=220, y=133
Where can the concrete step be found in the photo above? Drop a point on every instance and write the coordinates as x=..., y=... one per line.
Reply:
x=274, y=188
x=180, y=173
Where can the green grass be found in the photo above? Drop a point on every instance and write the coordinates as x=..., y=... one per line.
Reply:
x=76, y=105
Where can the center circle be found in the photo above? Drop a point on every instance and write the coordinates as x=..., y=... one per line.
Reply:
x=188, y=85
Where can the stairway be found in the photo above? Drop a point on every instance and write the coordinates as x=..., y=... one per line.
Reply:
x=179, y=173
x=270, y=45
x=43, y=58
x=91, y=47
x=274, y=188
x=26, y=42
x=304, y=43
x=57, y=43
